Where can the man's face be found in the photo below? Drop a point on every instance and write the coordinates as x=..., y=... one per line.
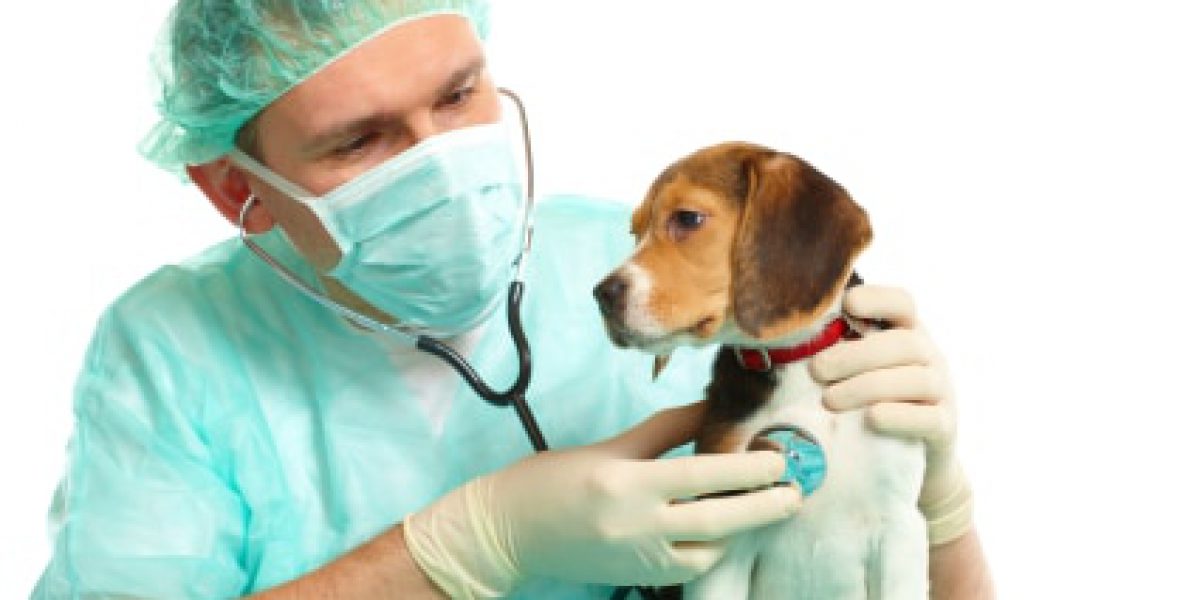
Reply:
x=415, y=81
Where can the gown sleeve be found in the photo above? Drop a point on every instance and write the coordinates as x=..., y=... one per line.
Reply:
x=142, y=510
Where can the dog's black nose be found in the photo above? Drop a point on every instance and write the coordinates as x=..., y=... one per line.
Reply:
x=610, y=293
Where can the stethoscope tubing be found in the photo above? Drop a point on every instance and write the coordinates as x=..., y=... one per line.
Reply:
x=515, y=395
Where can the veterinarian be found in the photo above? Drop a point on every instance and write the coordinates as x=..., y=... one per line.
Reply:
x=232, y=437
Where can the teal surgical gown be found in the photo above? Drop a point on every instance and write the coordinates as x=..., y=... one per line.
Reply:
x=231, y=435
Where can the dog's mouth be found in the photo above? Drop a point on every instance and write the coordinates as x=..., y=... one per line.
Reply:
x=620, y=336
x=624, y=337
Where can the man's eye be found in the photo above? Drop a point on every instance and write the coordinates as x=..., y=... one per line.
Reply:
x=458, y=97
x=356, y=145
x=683, y=222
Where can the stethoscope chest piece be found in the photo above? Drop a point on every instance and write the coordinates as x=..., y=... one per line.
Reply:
x=806, y=465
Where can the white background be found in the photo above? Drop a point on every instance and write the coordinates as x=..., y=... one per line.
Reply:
x=1030, y=168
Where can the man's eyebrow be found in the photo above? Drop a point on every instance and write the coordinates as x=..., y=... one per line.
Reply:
x=334, y=133
x=338, y=131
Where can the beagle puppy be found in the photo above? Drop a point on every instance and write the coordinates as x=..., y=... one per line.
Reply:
x=750, y=248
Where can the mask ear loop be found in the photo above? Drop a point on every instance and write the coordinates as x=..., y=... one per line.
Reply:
x=307, y=289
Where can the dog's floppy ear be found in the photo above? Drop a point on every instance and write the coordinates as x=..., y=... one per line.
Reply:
x=640, y=220
x=799, y=233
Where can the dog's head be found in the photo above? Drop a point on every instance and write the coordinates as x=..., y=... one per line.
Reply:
x=736, y=243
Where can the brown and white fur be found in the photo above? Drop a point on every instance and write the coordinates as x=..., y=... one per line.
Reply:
x=747, y=247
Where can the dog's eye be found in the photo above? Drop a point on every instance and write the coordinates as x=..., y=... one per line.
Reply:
x=684, y=221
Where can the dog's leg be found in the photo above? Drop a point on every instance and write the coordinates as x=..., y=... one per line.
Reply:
x=730, y=578
x=900, y=567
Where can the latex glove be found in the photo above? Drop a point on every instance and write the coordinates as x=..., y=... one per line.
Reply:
x=902, y=381
x=599, y=514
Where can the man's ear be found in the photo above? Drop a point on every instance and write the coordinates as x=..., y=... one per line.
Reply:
x=795, y=246
x=228, y=189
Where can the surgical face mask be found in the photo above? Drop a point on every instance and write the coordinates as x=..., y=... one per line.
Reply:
x=429, y=236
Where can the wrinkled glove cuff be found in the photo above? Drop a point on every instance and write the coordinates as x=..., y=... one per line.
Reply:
x=455, y=542
x=950, y=515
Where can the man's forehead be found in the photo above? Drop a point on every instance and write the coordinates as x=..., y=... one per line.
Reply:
x=404, y=67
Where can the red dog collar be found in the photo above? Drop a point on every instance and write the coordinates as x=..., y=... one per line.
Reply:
x=764, y=359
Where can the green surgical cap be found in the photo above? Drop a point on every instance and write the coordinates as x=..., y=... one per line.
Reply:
x=220, y=62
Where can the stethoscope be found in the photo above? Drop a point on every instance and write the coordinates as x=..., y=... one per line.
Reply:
x=797, y=446
x=514, y=396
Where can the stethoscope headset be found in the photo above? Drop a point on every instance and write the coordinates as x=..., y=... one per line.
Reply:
x=514, y=395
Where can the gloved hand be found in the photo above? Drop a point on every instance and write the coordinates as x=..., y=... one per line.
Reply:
x=603, y=513
x=899, y=376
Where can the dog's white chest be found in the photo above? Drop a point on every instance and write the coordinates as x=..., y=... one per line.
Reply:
x=859, y=536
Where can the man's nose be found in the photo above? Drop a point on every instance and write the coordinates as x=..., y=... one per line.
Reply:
x=610, y=294
x=422, y=127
